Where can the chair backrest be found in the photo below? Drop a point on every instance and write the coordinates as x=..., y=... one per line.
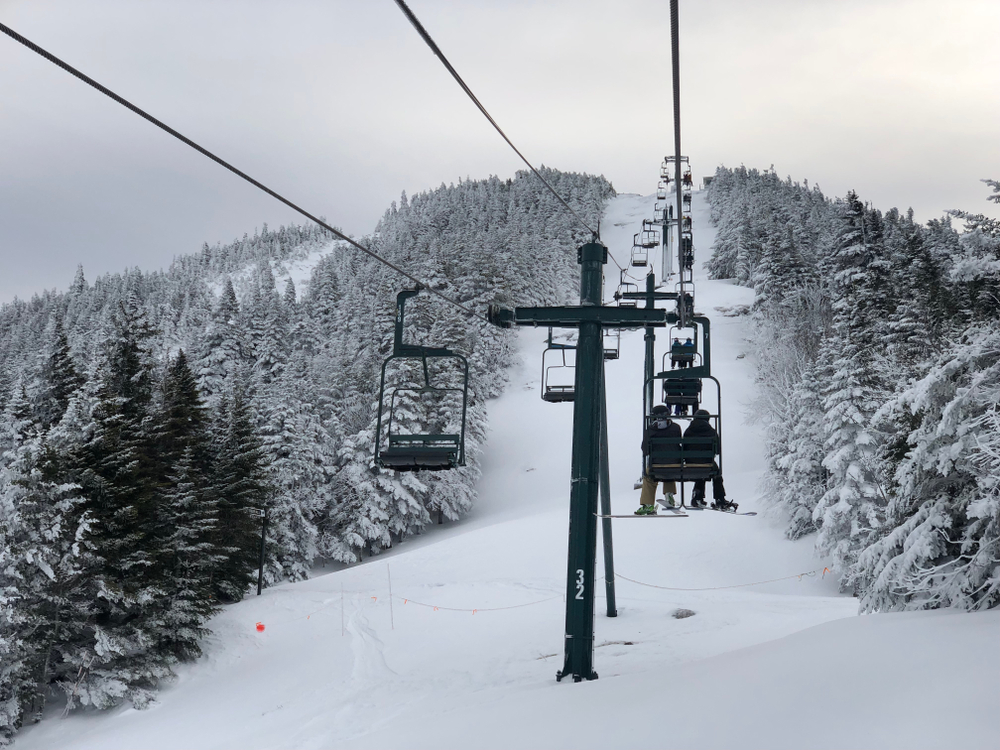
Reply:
x=677, y=388
x=682, y=459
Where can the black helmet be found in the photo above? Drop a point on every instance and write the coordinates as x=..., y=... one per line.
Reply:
x=702, y=413
x=660, y=409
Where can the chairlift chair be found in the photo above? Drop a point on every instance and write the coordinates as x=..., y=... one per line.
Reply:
x=687, y=250
x=431, y=450
x=685, y=459
x=612, y=343
x=686, y=199
x=681, y=353
x=684, y=392
x=661, y=191
x=640, y=256
x=650, y=235
x=558, y=375
x=626, y=287
x=658, y=213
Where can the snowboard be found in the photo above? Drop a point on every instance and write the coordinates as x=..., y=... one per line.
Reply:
x=728, y=512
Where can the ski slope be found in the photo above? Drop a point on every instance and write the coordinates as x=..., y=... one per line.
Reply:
x=465, y=652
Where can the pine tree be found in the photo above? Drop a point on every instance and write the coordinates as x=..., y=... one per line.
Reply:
x=59, y=377
x=240, y=484
x=119, y=482
x=188, y=513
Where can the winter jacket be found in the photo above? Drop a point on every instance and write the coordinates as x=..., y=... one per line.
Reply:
x=700, y=427
x=672, y=430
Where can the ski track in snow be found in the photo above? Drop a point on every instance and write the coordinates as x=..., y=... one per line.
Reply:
x=788, y=663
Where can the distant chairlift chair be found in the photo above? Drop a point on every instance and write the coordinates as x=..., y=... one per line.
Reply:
x=625, y=287
x=640, y=254
x=612, y=343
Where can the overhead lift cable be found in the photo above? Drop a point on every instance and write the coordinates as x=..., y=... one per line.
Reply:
x=444, y=60
x=163, y=126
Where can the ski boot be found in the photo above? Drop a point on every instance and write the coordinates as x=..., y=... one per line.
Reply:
x=646, y=510
x=698, y=502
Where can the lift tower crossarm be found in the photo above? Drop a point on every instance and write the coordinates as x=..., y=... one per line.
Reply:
x=660, y=296
x=572, y=317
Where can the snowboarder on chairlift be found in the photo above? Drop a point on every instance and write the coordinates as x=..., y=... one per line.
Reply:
x=660, y=426
x=701, y=427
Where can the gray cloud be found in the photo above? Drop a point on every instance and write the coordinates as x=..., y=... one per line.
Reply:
x=339, y=105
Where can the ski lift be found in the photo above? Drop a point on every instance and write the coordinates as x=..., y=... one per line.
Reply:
x=682, y=392
x=686, y=199
x=682, y=353
x=665, y=173
x=685, y=459
x=658, y=213
x=649, y=236
x=661, y=191
x=612, y=343
x=640, y=256
x=558, y=375
x=430, y=450
x=686, y=179
x=685, y=298
x=687, y=250
x=626, y=287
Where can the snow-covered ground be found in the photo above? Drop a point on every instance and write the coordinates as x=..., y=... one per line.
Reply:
x=464, y=653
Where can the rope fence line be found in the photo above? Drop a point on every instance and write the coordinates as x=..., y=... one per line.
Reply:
x=473, y=610
x=800, y=576
x=478, y=609
x=260, y=625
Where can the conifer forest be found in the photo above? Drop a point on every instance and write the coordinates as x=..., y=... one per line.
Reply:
x=878, y=351
x=146, y=414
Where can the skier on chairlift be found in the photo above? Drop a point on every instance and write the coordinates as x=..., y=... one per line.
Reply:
x=676, y=348
x=701, y=427
x=660, y=426
x=688, y=348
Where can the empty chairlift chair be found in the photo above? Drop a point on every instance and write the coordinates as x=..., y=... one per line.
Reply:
x=661, y=191
x=431, y=449
x=612, y=343
x=626, y=287
x=558, y=375
x=640, y=254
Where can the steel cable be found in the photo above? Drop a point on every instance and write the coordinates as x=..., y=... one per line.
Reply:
x=475, y=100
x=166, y=128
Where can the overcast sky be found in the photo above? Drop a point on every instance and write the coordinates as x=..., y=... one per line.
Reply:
x=339, y=105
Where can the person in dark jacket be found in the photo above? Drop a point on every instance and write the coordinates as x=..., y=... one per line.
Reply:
x=676, y=349
x=701, y=427
x=660, y=426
